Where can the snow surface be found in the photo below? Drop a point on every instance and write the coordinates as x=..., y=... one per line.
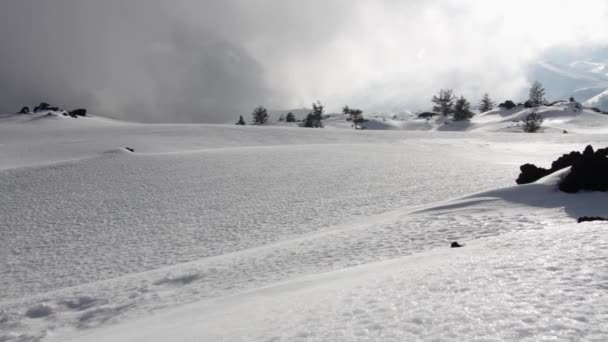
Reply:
x=213, y=232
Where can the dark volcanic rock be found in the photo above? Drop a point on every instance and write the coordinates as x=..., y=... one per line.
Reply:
x=24, y=110
x=589, y=173
x=79, y=112
x=565, y=161
x=591, y=219
x=42, y=106
x=507, y=104
x=531, y=173
x=427, y=115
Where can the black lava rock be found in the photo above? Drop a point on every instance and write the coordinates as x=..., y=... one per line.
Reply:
x=42, y=106
x=591, y=219
x=589, y=173
x=79, y=112
x=507, y=104
x=427, y=115
x=531, y=173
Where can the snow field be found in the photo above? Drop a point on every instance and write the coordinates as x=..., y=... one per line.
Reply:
x=549, y=284
x=265, y=233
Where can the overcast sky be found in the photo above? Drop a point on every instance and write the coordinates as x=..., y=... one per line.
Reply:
x=208, y=61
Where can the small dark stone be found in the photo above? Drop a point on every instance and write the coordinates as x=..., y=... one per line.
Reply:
x=427, y=115
x=42, y=106
x=79, y=112
x=591, y=219
x=456, y=245
x=130, y=149
x=507, y=104
x=24, y=110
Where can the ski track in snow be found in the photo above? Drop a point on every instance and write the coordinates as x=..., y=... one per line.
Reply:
x=198, y=214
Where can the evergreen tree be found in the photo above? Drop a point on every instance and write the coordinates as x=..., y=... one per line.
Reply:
x=290, y=117
x=260, y=115
x=462, y=109
x=355, y=115
x=537, y=95
x=486, y=104
x=314, y=119
x=444, y=103
x=241, y=122
x=346, y=111
x=533, y=122
x=281, y=118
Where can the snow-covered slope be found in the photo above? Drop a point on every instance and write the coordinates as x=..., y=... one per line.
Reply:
x=213, y=232
x=521, y=278
x=558, y=117
x=582, y=79
x=599, y=101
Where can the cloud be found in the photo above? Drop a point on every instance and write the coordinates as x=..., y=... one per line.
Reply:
x=208, y=61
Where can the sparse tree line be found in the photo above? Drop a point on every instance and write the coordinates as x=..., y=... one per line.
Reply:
x=445, y=104
x=314, y=119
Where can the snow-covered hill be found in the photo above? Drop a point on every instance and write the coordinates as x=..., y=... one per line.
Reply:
x=557, y=118
x=224, y=232
x=560, y=117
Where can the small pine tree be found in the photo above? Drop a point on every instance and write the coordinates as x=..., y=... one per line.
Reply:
x=462, y=109
x=533, y=122
x=241, y=122
x=346, y=111
x=281, y=118
x=260, y=115
x=537, y=95
x=355, y=115
x=290, y=117
x=314, y=119
x=486, y=104
x=444, y=102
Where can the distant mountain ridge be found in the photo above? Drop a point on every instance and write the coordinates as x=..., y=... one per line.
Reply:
x=585, y=80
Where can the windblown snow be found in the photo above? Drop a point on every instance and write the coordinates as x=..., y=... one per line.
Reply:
x=218, y=232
